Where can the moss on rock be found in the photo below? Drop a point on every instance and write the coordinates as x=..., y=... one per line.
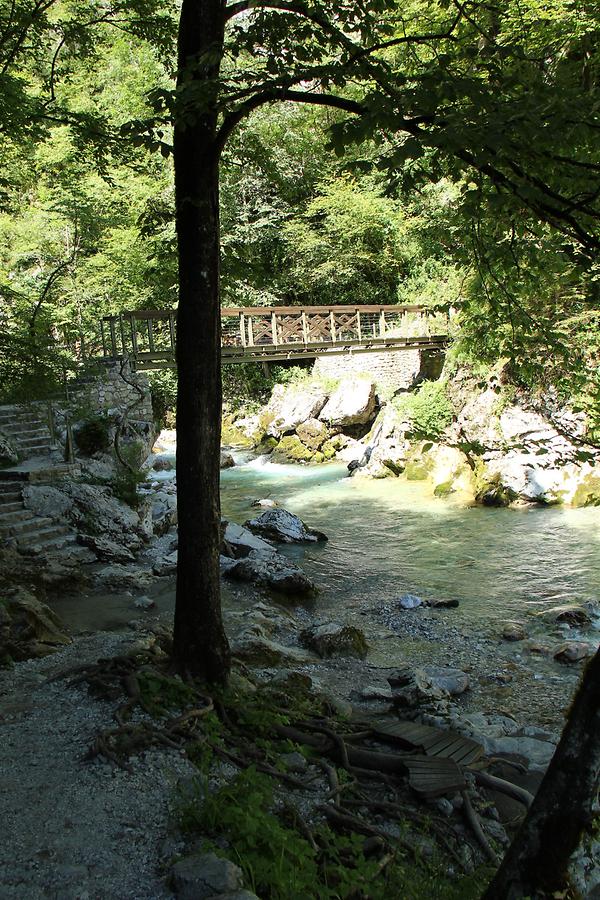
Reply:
x=588, y=492
x=292, y=448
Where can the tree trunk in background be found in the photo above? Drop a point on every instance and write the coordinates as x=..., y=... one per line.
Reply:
x=536, y=862
x=200, y=644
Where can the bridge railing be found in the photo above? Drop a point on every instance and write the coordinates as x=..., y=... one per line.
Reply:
x=149, y=336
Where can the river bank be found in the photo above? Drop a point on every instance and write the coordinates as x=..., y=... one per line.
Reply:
x=394, y=551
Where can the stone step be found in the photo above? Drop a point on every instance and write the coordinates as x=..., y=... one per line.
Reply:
x=35, y=440
x=21, y=514
x=9, y=491
x=25, y=526
x=10, y=507
x=20, y=433
x=53, y=535
x=30, y=450
x=15, y=420
x=56, y=542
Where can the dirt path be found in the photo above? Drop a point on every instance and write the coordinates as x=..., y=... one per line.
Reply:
x=74, y=830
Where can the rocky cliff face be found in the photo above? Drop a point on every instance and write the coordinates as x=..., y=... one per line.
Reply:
x=502, y=446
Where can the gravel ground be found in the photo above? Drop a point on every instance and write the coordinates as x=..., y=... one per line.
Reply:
x=75, y=830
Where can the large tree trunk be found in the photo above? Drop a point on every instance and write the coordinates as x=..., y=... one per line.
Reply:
x=536, y=862
x=200, y=644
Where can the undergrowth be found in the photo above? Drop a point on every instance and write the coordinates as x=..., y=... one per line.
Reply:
x=292, y=837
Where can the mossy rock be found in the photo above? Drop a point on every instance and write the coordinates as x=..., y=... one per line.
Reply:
x=444, y=489
x=588, y=492
x=490, y=491
x=235, y=437
x=292, y=448
x=328, y=450
x=417, y=470
x=267, y=445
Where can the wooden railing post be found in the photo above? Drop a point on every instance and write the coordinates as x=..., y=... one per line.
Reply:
x=172, y=330
x=113, y=337
x=134, y=342
x=332, y=326
x=382, y=323
x=274, y=328
x=242, y=329
x=358, y=326
x=304, y=327
x=250, y=332
x=150, y=326
x=123, y=341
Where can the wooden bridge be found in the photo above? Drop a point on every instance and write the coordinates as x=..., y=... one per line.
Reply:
x=147, y=337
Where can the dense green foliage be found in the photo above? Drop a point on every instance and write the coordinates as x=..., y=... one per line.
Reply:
x=468, y=180
x=429, y=409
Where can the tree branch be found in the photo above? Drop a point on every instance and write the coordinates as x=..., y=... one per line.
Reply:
x=274, y=95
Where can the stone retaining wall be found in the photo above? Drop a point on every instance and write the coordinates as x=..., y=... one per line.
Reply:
x=391, y=370
x=111, y=390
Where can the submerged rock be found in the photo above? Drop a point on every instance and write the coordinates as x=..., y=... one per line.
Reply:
x=572, y=652
x=444, y=603
x=284, y=527
x=332, y=639
x=266, y=503
x=514, y=631
x=568, y=615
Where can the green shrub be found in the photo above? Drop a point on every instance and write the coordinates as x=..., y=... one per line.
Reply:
x=93, y=435
x=429, y=410
x=163, y=390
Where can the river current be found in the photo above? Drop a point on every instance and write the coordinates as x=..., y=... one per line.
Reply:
x=392, y=537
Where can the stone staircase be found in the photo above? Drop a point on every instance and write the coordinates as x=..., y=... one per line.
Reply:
x=28, y=429
x=23, y=528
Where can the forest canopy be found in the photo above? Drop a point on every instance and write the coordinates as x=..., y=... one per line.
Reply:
x=460, y=169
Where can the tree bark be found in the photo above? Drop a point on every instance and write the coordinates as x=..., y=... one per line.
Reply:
x=200, y=644
x=537, y=860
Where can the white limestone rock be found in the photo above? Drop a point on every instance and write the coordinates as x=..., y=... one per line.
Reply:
x=352, y=403
x=294, y=406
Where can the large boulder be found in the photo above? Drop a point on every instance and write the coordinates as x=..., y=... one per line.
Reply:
x=28, y=628
x=164, y=510
x=92, y=509
x=291, y=448
x=313, y=433
x=352, y=403
x=294, y=406
x=269, y=570
x=239, y=542
x=227, y=460
x=284, y=527
x=383, y=452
